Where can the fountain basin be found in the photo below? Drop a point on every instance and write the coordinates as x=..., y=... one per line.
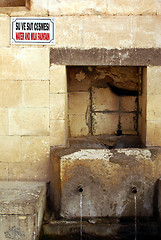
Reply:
x=107, y=176
x=100, y=229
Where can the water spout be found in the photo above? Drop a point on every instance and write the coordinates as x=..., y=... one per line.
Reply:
x=134, y=190
x=80, y=188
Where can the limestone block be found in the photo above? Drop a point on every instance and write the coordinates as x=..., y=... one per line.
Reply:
x=39, y=7
x=3, y=171
x=78, y=102
x=34, y=149
x=154, y=80
x=58, y=132
x=73, y=7
x=4, y=30
x=158, y=6
x=153, y=108
x=107, y=177
x=27, y=171
x=36, y=93
x=58, y=103
x=104, y=99
x=29, y=121
x=58, y=79
x=22, y=206
x=9, y=149
x=10, y=93
x=78, y=125
x=128, y=103
x=109, y=32
x=3, y=121
x=128, y=121
x=153, y=133
x=24, y=63
x=133, y=7
x=158, y=30
x=105, y=123
x=69, y=31
x=144, y=31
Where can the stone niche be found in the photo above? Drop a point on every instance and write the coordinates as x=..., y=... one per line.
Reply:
x=103, y=100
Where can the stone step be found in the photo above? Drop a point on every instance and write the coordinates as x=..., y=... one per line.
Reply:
x=22, y=206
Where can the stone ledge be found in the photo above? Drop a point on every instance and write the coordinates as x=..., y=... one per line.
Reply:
x=22, y=205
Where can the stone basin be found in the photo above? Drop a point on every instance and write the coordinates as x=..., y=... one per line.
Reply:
x=107, y=176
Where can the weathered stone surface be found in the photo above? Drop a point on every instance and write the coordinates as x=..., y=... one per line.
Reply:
x=10, y=148
x=105, y=123
x=73, y=7
x=29, y=171
x=4, y=171
x=10, y=93
x=103, y=56
x=153, y=133
x=107, y=177
x=134, y=7
x=78, y=102
x=29, y=121
x=22, y=207
x=58, y=132
x=58, y=106
x=4, y=29
x=108, y=32
x=104, y=99
x=58, y=79
x=34, y=149
x=64, y=26
x=78, y=125
x=24, y=64
x=153, y=83
x=36, y=93
x=3, y=121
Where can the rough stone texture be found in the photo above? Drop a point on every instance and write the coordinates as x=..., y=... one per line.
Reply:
x=71, y=7
x=107, y=177
x=58, y=103
x=36, y=93
x=78, y=125
x=154, y=84
x=3, y=121
x=27, y=171
x=10, y=148
x=22, y=207
x=29, y=121
x=134, y=7
x=105, y=123
x=102, y=56
x=4, y=29
x=58, y=132
x=104, y=99
x=10, y=93
x=153, y=115
x=24, y=63
x=34, y=149
x=58, y=79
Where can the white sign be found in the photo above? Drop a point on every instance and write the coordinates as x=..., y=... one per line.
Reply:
x=32, y=31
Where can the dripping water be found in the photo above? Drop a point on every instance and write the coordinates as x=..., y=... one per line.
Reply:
x=80, y=215
x=135, y=218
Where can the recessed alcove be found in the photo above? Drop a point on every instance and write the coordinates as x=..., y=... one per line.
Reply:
x=105, y=101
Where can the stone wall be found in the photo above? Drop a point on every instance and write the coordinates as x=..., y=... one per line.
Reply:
x=33, y=92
